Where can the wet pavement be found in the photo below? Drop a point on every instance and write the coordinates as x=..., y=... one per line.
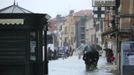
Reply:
x=74, y=66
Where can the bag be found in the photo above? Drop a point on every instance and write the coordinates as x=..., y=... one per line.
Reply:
x=112, y=58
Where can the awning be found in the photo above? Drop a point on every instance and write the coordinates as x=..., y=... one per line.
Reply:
x=120, y=32
x=109, y=32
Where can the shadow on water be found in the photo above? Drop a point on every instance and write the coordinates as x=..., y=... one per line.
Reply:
x=98, y=71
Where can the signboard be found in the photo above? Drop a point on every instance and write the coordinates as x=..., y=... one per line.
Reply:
x=99, y=12
x=128, y=53
x=103, y=3
x=12, y=21
x=127, y=56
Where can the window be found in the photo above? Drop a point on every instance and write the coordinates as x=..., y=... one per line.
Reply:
x=82, y=29
x=82, y=36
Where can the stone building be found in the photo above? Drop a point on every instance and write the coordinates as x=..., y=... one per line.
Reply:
x=83, y=20
x=90, y=30
x=69, y=30
x=119, y=27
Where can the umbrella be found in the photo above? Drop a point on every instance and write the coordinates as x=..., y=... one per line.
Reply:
x=80, y=48
x=88, y=48
x=107, y=50
x=97, y=47
x=84, y=48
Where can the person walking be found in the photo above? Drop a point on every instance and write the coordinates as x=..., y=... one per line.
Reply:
x=109, y=55
x=91, y=57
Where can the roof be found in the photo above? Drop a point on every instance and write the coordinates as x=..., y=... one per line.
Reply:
x=83, y=13
x=14, y=9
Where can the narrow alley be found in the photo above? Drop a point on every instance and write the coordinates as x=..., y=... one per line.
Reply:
x=74, y=66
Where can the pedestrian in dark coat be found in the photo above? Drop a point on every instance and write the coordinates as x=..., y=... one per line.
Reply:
x=109, y=55
x=91, y=57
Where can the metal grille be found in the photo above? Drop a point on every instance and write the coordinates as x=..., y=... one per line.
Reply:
x=12, y=47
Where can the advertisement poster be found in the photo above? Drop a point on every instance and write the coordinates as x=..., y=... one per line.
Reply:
x=127, y=53
x=127, y=58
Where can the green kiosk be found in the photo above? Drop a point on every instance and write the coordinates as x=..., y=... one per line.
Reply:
x=22, y=47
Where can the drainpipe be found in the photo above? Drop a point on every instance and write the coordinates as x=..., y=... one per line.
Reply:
x=117, y=34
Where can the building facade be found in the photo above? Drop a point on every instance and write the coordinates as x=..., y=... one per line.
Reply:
x=90, y=30
x=119, y=27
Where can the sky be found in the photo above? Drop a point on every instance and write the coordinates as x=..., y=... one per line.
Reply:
x=51, y=7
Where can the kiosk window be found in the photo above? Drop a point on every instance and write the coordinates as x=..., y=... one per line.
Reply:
x=32, y=46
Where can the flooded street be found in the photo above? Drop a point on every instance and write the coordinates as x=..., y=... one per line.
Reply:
x=74, y=66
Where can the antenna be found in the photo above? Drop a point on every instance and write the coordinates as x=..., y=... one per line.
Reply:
x=14, y=2
x=17, y=3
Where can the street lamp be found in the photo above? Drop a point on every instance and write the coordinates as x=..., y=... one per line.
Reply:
x=45, y=44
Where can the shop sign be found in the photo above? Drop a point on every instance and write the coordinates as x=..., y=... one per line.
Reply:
x=127, y=56
x=128, y=52
x=103, y=3
x=11, y=21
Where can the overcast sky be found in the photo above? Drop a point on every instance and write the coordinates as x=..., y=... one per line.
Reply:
x=51, y=7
